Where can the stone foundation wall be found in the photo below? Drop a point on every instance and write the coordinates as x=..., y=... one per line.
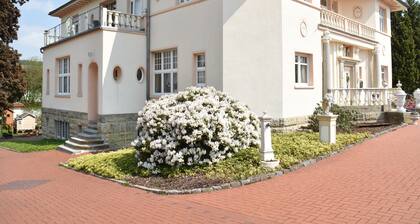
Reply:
x=119, y=130
x=76, y=120
x=289, y=124
x=369, y=113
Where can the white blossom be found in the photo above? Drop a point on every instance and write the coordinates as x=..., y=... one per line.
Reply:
x=196, y=126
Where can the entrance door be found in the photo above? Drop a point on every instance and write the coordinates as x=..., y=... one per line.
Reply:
x=349, y=77
x=93, y=92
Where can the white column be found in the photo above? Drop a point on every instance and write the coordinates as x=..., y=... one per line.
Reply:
x=378, y=71
x=326, y=38
x=266, y=151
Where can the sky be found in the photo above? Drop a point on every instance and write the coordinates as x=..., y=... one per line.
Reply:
x=33, y=22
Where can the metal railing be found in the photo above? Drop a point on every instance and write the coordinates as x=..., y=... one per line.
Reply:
x=339, y=22
x=363, y=97
x=92, y=19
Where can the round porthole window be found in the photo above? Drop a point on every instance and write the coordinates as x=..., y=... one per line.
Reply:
x=117, y=73
x=140, y=74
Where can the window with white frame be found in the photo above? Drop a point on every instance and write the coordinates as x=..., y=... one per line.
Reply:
x=384, y=74
x=166, y=72
x=302, y=69
x=64, y=76
x=200, y=67
x=382, y=20
x=183, y=1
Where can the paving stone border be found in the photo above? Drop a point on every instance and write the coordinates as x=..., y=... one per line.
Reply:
x=240, y=183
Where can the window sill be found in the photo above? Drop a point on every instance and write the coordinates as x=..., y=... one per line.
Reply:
x=62, y=95
x=300, y=86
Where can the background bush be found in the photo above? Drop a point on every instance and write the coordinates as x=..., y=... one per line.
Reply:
x=345, y=121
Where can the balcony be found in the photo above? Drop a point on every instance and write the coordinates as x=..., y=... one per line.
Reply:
x=95, y=18
x=344, y=24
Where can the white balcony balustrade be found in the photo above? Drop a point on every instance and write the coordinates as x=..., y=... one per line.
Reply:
x=362, y=97
x=98, y=17
x=342, y=23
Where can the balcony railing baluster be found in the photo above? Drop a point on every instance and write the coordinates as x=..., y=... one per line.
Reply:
x=93, y=19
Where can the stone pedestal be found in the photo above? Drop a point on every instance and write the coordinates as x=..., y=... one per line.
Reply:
x=328, y=128
x=266, y=151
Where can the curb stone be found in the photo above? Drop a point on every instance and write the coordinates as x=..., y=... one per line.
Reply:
x=250, y=180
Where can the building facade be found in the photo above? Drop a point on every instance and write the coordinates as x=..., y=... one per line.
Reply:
x=107, y=58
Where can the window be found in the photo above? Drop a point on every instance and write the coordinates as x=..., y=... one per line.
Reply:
x=79, y=80
x=140, y=74
x=303, y=69
x=110, y=5
x=200, y=69
x=382, y=20
x=116, y=73
x=348, y=51
x=48, y=82
x=62, y=130
x=166, y=72
x=330, y=5
x=183, y=1
x=64, y=76
x=384, y=74
x=136, y=7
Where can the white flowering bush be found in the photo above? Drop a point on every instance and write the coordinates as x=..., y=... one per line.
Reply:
x=194, y=127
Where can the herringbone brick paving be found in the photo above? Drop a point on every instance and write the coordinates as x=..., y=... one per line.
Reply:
x=375, y=182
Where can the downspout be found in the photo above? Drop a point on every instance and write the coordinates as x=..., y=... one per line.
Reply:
x=148, y=35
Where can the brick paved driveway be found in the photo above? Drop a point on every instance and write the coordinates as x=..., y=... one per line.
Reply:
x=376, y=182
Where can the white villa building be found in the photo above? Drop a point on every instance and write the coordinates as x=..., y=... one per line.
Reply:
x=107, y=57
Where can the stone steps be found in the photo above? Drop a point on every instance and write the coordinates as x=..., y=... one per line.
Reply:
x=88, y=141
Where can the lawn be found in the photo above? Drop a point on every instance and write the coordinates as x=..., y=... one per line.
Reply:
x=290, y=149
x=22, y=145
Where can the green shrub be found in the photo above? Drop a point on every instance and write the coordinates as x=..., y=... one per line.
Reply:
x=119, y=164
x=345, y=121
x=292, y=148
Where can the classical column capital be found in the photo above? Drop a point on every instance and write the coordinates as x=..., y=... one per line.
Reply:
x=326, y=37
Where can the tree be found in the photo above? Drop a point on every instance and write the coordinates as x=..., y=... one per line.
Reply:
x=413, y=12
x=12, y=85
x=33, y=78
x=404, y=52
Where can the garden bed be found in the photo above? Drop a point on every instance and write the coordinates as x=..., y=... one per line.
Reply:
x=244, y=167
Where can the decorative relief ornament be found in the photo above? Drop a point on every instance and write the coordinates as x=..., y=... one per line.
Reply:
x=357, y=12
x=303, y=29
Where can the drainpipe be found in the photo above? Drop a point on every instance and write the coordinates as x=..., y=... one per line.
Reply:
x=148, y=35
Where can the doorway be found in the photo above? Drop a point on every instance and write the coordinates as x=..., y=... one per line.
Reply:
x=93, y=92
x=349, y=77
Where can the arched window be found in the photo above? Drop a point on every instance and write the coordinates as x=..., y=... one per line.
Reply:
x=117, y=73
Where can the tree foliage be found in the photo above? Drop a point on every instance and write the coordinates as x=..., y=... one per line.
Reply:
x=406, y=46
x=12, y=85
x=33, y=78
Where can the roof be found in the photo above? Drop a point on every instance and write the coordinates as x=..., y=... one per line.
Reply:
x=17, y=105
x=20, y=117
x=68, y=7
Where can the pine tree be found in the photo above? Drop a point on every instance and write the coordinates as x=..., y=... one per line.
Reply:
x=404, y=52
x=12, y=85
